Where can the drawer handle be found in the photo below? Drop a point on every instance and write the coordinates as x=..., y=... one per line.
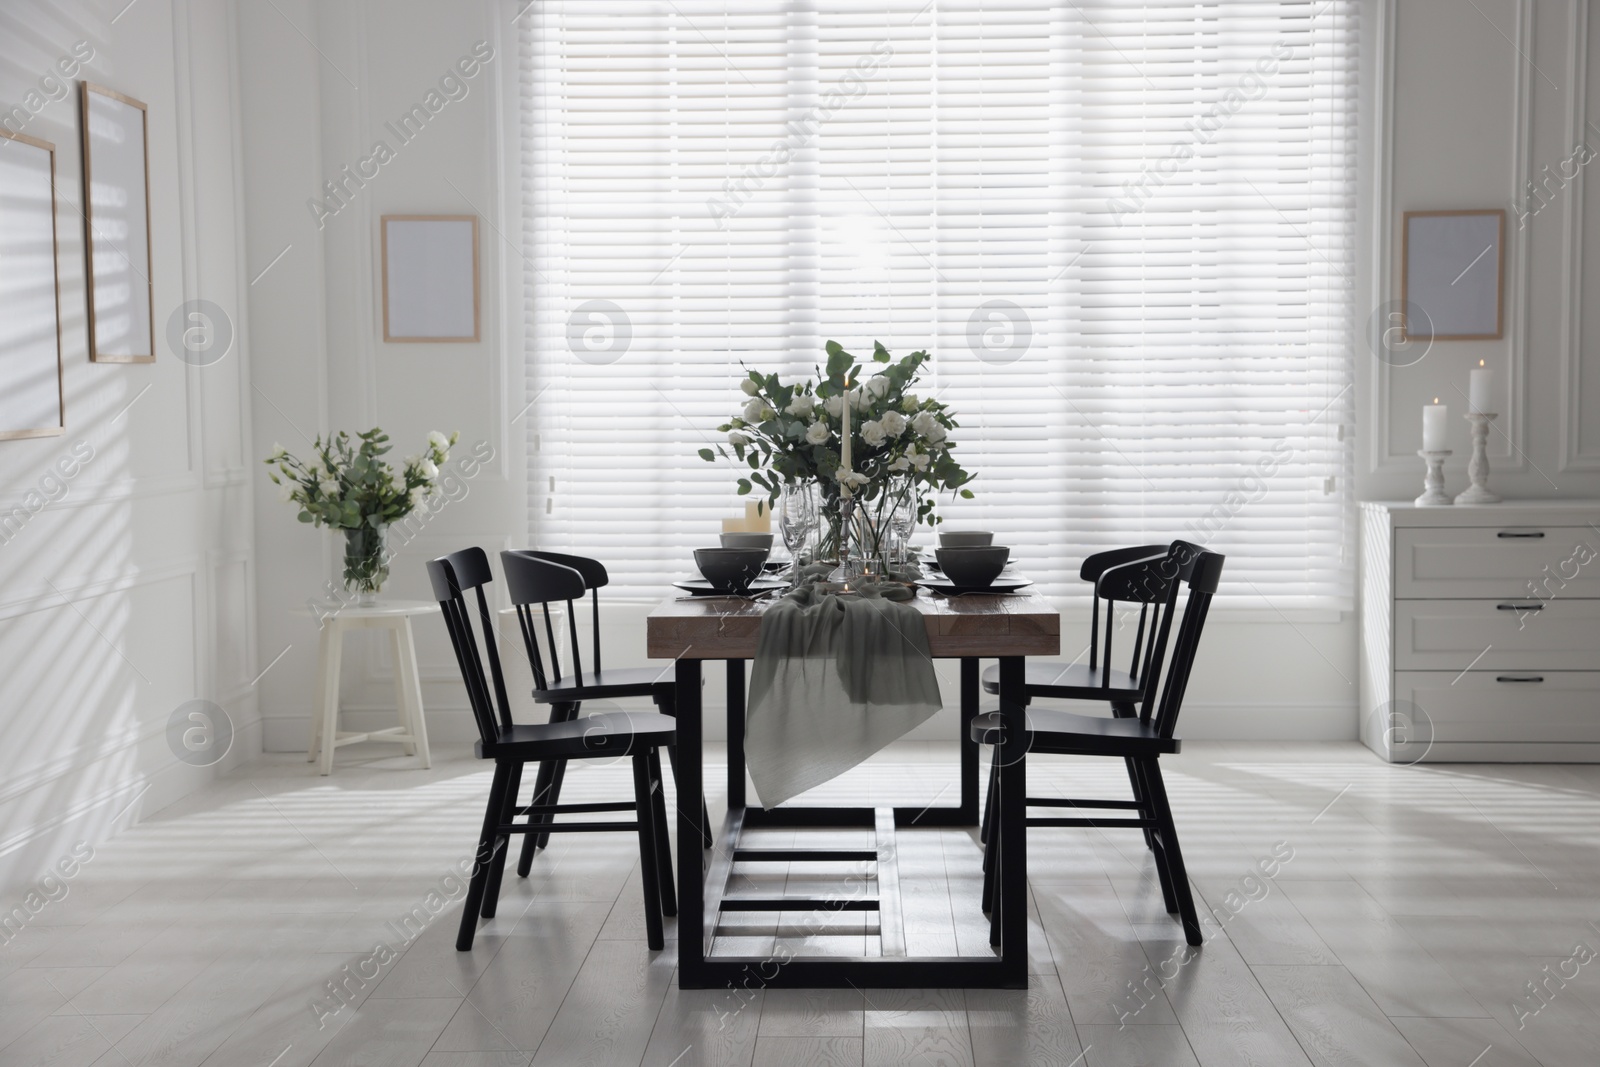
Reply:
x=1520, y=534
x=1519, y=607
x=1514, y=678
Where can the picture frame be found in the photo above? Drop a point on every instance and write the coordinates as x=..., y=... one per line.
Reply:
x=431, y=279
x=1452, y=278
x=32, y=396
x=116, y=226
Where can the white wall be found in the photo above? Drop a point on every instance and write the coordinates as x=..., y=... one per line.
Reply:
x=1470, y=122
x=132, y=591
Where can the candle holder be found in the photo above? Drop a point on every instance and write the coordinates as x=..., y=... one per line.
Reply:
x=1433, y=495
x=850, y=567
x=1478, y=467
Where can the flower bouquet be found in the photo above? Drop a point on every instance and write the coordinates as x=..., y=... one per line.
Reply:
x=351, y=487
x=872, y=443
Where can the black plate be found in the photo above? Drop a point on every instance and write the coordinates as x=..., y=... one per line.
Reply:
x=701, y=587
x=1002, y=584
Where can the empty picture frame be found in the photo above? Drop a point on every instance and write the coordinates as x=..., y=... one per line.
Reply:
x=31, y=403
x=430, y=278
x=1452, y=278
x=116, y=226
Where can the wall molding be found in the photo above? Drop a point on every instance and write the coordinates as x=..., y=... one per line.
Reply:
x=1573, y=456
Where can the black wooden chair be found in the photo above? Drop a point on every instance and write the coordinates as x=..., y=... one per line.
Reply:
x=638, y=735
x=1116, y=577
x=1141, y=741
x=536, y=580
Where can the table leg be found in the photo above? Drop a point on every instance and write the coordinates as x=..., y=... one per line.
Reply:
x=333, y=636
x=1011, y=824
x=402, y=702
x=691, y=870
x=324, y=637
x=735, y=733
x=969, y=747
x=411, y=682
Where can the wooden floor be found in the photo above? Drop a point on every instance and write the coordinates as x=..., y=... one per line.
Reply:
x=1414, y=908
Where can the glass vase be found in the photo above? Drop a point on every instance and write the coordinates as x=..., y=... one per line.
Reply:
x=366, y=566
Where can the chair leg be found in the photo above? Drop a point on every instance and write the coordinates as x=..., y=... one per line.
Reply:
x=989, y=842
x=658, y=806
x=1124, y=710
x=497, y=865
x=1147, y=811
x=542, y=795
x=705, y=813
x=988, y=808
x=558, y=774
x=647, y=851
x=1167, y=834
x=485, y=853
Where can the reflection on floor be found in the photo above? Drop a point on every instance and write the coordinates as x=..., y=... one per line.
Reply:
x=1357, y=913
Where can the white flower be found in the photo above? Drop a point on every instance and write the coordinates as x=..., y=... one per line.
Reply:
x=818, y=433
x=428, y=469
x=758, y=411
x=872, y=433
x=397, y=483
x=910, y=404
x=802, y=405
x=417, y=496
x=278, y=451
x=286, y=492
x=877, y=387
x=901, y=464
x=329, y=487
x=850, y=479
x=918, y=460
x=737, y=438
x=834, y=406
x=750, y=388
x=860, y=399
x=923, y=423
x=438, y=441
x=894, y=423
x=937, y=433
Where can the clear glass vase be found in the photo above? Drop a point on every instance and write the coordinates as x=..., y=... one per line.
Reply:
x=366, y=565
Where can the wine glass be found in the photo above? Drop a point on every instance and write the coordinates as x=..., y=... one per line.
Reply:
x=902, y=520
x=797, y=516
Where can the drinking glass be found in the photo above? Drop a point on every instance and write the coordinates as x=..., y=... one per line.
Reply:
x=797, y=519
x=902, y=520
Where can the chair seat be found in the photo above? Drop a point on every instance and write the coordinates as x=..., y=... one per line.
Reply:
x=1070, y=681
x=601, y=685
x=606, y=735
x=1065, y=733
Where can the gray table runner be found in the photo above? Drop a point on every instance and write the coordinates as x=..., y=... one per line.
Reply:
x=837, y=677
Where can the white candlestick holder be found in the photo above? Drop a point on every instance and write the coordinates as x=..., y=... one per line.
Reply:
x=1478, y=467
x=1433, y=494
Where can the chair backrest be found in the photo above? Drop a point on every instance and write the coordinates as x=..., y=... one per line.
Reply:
x=453, y=576
x=1192, y=568
x=538, y=579
x=1103, y=570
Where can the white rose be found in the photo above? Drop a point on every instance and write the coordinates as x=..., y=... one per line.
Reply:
x=817, y=434
x=757, y=411
x=428, y=469
x=901, y=464
x=877, y=386
x=938, y=433
x=802, y=405
x=750, y=388
x=850, y=480
x=910, y=404
x=918, y=460
x=737, y=438
x=278, y=451
x=329, y=487
x=872, y=433
x=860, y=399
x=438, y=441
x=417, y=496
x=834, y=406
x=923, y=423
x=894, y=423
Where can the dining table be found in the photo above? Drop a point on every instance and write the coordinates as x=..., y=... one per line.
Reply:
x=970, y=627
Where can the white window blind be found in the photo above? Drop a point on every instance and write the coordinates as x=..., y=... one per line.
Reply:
x=1124, y=230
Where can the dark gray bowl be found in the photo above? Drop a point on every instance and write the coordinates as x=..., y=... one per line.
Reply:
x=762, y=541
x=965, y=538
x=973, y=566
x=730, y=570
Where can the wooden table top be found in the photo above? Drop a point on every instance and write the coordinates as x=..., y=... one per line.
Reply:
x=972, y=625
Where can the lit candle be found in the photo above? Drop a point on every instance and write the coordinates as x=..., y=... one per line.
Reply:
x=844, y=436
x=1478, y=390
x=1433, y=426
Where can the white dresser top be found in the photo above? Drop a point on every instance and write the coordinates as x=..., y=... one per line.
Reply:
x=1553, y=512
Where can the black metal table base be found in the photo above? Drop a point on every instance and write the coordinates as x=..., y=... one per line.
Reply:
x=704, y=897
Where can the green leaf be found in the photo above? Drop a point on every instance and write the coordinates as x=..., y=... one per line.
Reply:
x=706, y=454
x=744, y=487
x=966, y=494
x=879, y=353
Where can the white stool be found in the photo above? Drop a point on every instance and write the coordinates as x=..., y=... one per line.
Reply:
x=412, y=732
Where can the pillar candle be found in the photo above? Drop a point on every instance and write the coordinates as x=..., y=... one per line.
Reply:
x=757, y=516
x=1433, y=426
x=1482, y=381
x=844, y=434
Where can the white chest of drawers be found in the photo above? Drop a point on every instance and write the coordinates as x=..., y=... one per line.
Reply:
x=1480, y=631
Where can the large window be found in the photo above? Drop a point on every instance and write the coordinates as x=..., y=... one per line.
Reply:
x=1124, y=230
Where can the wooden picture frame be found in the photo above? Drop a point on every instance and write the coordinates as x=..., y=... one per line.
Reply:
x=116, y=201
x=31, y=388
x=429, y=295
x=1441, y=250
